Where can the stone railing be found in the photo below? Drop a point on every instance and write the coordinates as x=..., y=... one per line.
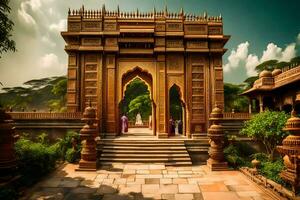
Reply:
x=44, y=115
x=131, y=124
x=238, y=116
x=287, y=76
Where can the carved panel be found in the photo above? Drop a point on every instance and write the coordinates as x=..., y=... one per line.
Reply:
x=72, y=59
x=174, y=43
x=90, y=84
x=215, y=30
x=71, y=84
x=216, y=45
x=111, y=42
x=72, y=73
x=174, y=26
x=90, y=67
x=71, y=97
x=91, y=41
x=160, y=42
x=196, y=29
x=91, y=75
x=74, y=26
x=91, y=25
x=91, y=58
x=197, y=44
x=160, y=27
x=198, y=102
x=110, y=26
x=73, y=40
x=175, y=62
x=219, y=74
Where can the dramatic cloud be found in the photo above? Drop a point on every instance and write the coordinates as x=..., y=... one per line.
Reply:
x=23, y=14
x=236, y=56
x=240, y=57
x=59, y=26
x=49, y=61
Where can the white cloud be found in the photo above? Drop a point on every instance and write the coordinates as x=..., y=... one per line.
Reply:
x=24, y=16
x=236, y=56
x=59, y=26
x=251, y=62
x=240, y=57
x=48, y=61
x=47, y=41
x=35, y=4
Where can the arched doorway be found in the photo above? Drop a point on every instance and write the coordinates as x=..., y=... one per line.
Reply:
x=176, y=125
x=137, y=100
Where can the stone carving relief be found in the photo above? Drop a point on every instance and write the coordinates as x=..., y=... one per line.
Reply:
x=215, y=30
x=91, y=41
x=74, y=26
x=197, y=44
x=174, y=26
x=110, y=26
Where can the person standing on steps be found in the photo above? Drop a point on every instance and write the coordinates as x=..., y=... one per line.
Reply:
x=124, y=124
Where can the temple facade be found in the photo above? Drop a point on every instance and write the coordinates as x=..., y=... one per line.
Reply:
x=276, y=90
x=108, y=49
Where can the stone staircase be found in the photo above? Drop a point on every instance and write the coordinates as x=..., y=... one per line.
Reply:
x=171, y=152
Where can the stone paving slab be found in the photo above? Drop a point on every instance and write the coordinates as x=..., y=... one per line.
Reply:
x=145, y=182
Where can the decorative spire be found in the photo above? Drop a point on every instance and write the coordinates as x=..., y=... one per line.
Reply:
x=69, y=12
x=103, y=9
x=118, y=10
x=166, y=11
x=181, y=12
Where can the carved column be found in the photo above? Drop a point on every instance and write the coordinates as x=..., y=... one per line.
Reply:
x=216, y=135
x=87, y=135
x=290, y=150
x=7, y=153
x=261, y=104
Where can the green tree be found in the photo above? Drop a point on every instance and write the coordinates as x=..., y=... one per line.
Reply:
x=6, y=43
x=266, y=127
x=141, y=104
x=60, y=90
x=267, y=65
x=233, y=99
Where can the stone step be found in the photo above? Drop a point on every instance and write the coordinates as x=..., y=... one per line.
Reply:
x=141, y=151
x=145, y=160
x=137, y=148
x=144, y=144
x=182, y=163
x=128, y=155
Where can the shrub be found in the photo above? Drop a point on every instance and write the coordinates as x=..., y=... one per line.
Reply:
x=66, y=143
x=266, y=127
x=235, y=156
x=72, y=155
x=272, y=169
x=35, y=159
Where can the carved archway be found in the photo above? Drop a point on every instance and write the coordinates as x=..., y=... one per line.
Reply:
x=144, y=76
x=183, y=106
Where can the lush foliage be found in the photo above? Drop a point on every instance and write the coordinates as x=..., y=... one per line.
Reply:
x=69, y=147
x=35, y=158
x=6, y=43
x=137, y=99
x=266, y=127
x=233, y=99
x=36, y=94
x=238, y=154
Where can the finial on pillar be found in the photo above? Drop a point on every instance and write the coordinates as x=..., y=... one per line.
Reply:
x=69, y=12
x=166, y=10
x=103, y=9
x=118, y=10
x=181, y=12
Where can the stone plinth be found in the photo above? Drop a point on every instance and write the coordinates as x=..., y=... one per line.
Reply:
x=290, y=150
x=88, y=133
x=7, y=153
x=216, y=160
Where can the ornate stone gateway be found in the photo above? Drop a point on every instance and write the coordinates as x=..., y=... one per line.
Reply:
x=108, y=49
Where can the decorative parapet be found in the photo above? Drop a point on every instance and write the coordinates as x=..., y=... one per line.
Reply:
x=287, y=76
x=95, y=14
x=44, y=115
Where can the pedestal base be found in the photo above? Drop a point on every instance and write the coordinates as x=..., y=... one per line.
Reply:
x=217, y=166
x=162, y=135
x=87, y=166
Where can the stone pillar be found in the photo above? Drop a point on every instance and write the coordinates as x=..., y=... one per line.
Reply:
x=7, y=153
x=216, y=160
x=87, y=135
x=290, y=150
x=261, y=104
x=250, y=105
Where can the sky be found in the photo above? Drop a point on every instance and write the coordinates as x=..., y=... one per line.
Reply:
x=260, y=30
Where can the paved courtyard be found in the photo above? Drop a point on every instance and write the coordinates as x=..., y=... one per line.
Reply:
x=149, y=181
